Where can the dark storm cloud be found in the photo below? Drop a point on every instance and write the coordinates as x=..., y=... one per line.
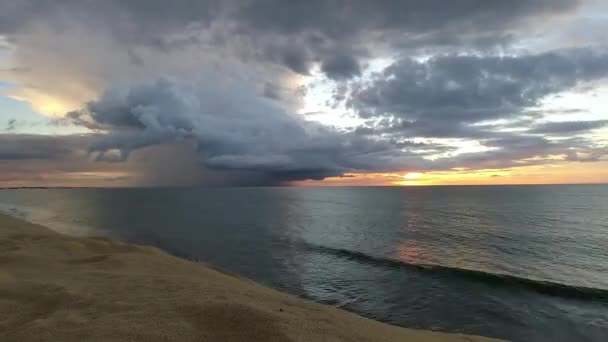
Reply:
x=334, y=18
x=296, y=59
x=339, y=34
x=136, y=108
x=341, y=67
x=468, y=88
x=344, y=18
x=335, y=33
x=39, y=160
x=568, y=127
x=254, y=136
x=134, y=20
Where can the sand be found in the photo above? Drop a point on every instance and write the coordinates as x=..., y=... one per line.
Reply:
x=59, y=288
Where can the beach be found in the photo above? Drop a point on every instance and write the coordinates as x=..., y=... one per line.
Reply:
x=55, y=287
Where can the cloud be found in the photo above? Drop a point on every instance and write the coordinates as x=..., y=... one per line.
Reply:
x=341, y=67
x=395, y=126
x=42, y=160
x=472, y=88
x=516, y=150
x=568, y=127
x=255, y=139
x=295, y=34
x=74, y=50
x=14, y=147
x=213, y=86
x=407, y=21
x=233, y=130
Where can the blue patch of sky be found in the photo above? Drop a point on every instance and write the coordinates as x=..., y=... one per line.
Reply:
x=18, y=117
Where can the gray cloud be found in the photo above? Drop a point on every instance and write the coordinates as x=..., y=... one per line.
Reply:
x=15, y=147
x=296, y=34
x=448, y=96
x=345, y=18
x=467, y=88
x=516, y=150
x=568, y=127
x=394, y=126
x=42, y=160
x=341, y=67
x=334, y=18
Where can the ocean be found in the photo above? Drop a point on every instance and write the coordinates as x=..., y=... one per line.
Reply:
x=524, y=263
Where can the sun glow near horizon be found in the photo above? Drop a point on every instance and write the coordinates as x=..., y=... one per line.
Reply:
x=566, y=173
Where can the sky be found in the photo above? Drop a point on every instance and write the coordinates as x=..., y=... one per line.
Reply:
x=124, y=93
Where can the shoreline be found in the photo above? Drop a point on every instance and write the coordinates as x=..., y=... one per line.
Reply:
x=64, y=288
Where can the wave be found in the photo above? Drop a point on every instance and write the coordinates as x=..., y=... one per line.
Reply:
x=493, y=279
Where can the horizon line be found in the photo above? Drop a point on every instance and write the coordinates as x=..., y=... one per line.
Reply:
x=291, y=186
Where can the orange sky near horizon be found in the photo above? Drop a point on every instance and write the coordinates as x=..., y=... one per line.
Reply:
x=565, y=173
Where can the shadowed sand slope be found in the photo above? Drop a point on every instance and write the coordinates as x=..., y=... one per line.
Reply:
x=59, y=288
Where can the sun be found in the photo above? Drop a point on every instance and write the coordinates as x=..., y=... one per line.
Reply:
x=409, y=179
x=413, y=175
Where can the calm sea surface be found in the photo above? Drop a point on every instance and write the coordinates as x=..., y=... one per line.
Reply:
x=526, y=263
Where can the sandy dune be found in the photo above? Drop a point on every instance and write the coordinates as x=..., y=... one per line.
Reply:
x=59, y=288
